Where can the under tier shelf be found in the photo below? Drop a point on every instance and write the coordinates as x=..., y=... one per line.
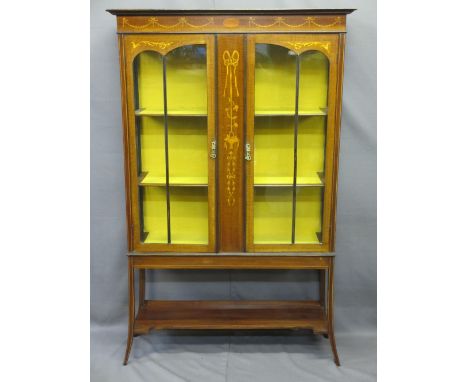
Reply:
x=176, y=113
x=302, y=113
x=315, y=180
x=147, y=179
x=215, y=314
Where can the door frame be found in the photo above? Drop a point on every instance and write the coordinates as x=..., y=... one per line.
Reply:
x=330, y=46
x=132, y=45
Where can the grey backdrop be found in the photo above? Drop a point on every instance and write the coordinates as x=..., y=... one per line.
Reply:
x=236, y=356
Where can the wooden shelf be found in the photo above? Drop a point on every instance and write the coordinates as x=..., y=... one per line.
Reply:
x=216, y=314
x=317, y=239
x=159, y=238
x=278, y=113
x=316, y=180
x=149, y=180
x=178, y=113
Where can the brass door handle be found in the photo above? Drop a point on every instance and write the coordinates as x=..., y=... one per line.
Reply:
x=247, y=152
x=213, y=149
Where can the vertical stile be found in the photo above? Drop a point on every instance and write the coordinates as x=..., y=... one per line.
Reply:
x=166, y=148
x=216, y=117
x=136, y=100
x=296, y=124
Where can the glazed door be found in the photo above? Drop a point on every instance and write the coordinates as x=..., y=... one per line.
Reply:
x=171, y=136
x=291, y=90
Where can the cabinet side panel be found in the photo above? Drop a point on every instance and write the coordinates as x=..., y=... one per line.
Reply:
x=339, y=93
x=123, y=92
x=231, y=142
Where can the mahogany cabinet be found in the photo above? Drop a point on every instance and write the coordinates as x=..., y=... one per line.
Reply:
x=231, y=127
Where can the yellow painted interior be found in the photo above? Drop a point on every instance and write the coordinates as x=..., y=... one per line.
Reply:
x=182, y=113
x=274, y=165
x=275, y=91
x=152, y=146
x=274, y=148
x=272, y=215
x=187, y=141
x=189, y=215
x=150, y=180
x=274, y=145
x=308, y=214
x=275, y=79
x=310, y=146
x=154, y=214
x=320, y=111
x=314, y=179
x=150, y=81
x=187, y=80
x=188, y=148
x=188, y=153
x=313, y=81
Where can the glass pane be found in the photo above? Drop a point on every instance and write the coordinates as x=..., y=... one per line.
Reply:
x=275, y=97
x=289, y=155
x=188, y=144
x=313, y=82
x=149, y=123
x=311, y=139
x=188, y=159
x=310, y=150
x=274, y=150
x=186, y=80
x=308, y=215
x=189, y=215
x=272, y=215
x=275, y=80
x=152, y=150
x=154, y=203
x=148, y=68
x=172, y=145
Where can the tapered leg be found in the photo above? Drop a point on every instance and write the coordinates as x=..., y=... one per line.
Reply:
x=131, y=309
x=322, y=286
x=322, y=274
x=331, y=333
x=141, y=286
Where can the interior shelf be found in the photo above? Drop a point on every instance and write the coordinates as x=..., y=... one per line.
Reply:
x=302, y=113
x=215, y=314
x=161, y=238
x=312, y=239
x=147, y=179
x=315, y=180
x=177, y=113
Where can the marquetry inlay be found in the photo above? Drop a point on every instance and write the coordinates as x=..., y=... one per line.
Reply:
x=152, y=44
x=241, y=23
x=154, y=22
x=231, y=140
x=282, y=21
x=298, y=45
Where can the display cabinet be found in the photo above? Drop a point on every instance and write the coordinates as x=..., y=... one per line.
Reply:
x=231, y=124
